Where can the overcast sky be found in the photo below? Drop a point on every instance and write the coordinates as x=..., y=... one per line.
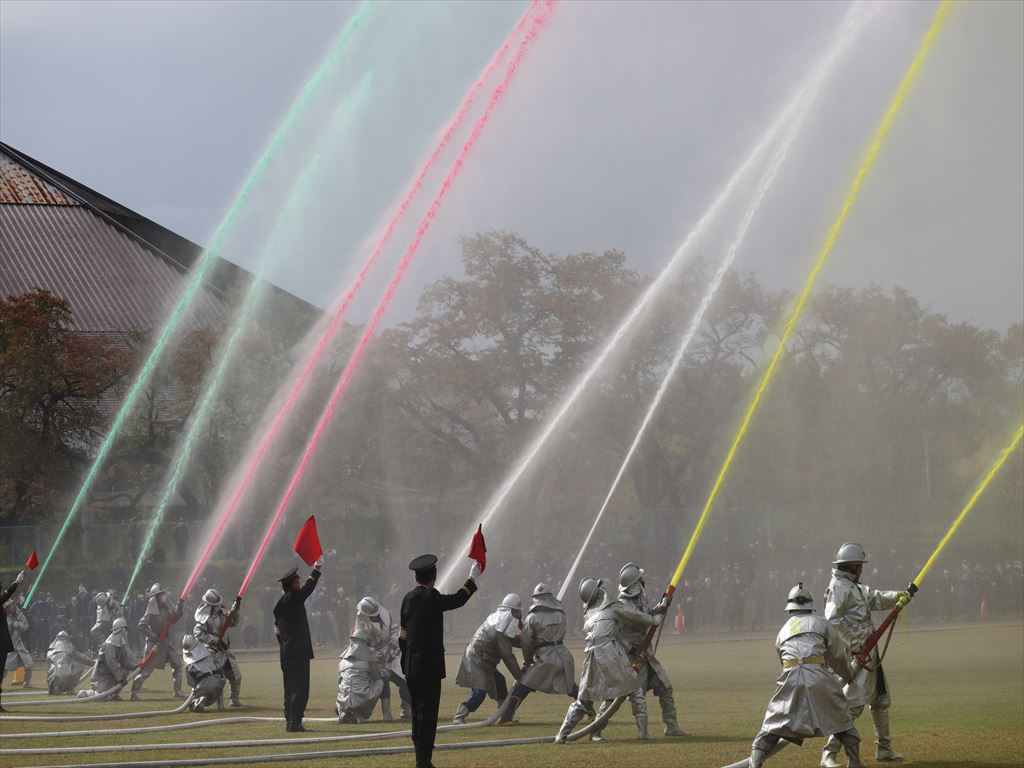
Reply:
x=620, y=127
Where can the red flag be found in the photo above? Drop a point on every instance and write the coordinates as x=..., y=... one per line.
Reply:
x=33, y=561
x=478, y=549
x=307, y=545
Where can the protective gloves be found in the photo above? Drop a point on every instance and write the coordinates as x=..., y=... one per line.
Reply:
x=319, y=564
x=903, y=599
x=475, y=570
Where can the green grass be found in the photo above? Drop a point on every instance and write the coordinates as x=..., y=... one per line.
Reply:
x=958, y=700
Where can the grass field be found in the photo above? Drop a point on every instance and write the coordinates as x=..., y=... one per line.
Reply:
x=958, y=694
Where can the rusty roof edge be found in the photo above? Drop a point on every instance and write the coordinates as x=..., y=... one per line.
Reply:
x=88, y=197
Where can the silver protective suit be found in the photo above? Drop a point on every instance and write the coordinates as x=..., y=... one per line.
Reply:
x=491, y=643
x=107, y=609
x=65, y=665
x=548, y=663
x=652, y=676
x=114, y=663
x=385, y=641
x=607, y=671
x=210, y=619
x=17, y=625
x=203, y=675
x=156, y=621
x=808, y=700
x=848, y=607
x=360, y=679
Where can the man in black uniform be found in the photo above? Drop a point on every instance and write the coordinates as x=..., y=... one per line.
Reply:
x=292, y=629
x=422, y=643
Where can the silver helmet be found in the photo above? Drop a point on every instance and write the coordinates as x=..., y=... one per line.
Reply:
x=629, y=575
x=188, y=642
x=119, y=623
x=799, y=599
x=541, y=589
x=63, y=635
x=212, y=597
x=101, y=599
x=512, y=601
x=155, y=590
x=369, y=607
x=590, y=589
x=850, y=552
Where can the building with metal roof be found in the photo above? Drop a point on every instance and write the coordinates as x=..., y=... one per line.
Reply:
x=121, y=272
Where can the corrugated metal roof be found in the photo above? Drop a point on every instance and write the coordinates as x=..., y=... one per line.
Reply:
x=18, y=186
x=111, y=280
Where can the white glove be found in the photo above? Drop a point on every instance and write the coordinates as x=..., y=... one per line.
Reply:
x=658, y=618
x=19, y=578
x=319, y=563
x=475, y=570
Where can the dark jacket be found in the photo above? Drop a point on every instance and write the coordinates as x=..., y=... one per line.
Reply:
x=292, y=624
x=422, y=635
x=6, y=646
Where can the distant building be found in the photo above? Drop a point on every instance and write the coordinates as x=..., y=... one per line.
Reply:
x=121, y=272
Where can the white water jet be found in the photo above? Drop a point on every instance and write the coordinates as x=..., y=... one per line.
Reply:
x=856, y=18
x=649, y=294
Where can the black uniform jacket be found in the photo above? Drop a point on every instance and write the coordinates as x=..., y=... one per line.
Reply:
x=6, y=645
x=291, y=622
x=422, y=636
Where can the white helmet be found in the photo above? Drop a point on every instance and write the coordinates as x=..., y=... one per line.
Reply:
x=590, y=589
x=799, y=599
x=629, y=575
x=850, y=552
x=119, y=623
x=541, y=589
x=512, y=601
x=155, y=590
x=212, y=597
x=369, y=607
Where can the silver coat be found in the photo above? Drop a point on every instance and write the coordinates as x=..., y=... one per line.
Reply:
x=491, y=643
x=202, y=673
x=360, y=680
x=17, y=624
x=848, y=606
x=152, y=624
x=385, y=640
x=607, y=672
x=65, y=666
x=653, y=675
x=114, y=662
x=548, y=663
x=209, y=620
x=808, y=699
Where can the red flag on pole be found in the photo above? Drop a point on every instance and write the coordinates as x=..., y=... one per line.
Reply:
x=33, y=561
x=307, y=545
x=478, y=549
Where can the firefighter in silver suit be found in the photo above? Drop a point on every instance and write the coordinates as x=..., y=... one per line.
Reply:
x=160, y=614
x=115, y=661
x=653, y=677
x=212, y=623
x=202, y=674
x=65, y=665
x=492, y=642
x=848, y=606
x=385, y=642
